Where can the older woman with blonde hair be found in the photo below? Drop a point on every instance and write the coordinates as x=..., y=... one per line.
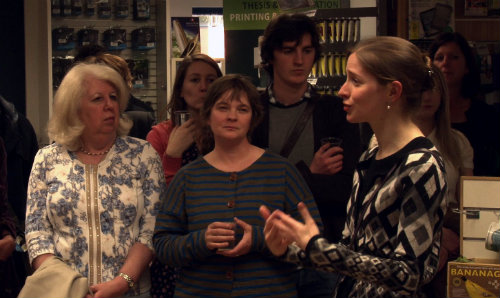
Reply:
x=93, y=194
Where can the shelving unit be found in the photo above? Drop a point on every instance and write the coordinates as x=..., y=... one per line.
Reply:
x=148, y=92
x=342, y=30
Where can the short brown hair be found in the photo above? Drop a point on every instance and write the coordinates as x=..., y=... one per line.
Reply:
x=238, y=85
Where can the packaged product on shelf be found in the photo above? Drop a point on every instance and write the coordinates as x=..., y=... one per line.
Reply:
x=87, y=37
x=121, y=9
x=321, y=25
x=115, y=39
x=331, y=70
x=352, y=25
x=90, y=7
x=344, y=64
x=337, y=65
x=104, y=9
x=345, y=23
x=331, y=31
x=357, y=28
x=338, y=29
x=63, y=39
x=314, y=70
x=76, y=7
x=141, y=9
x=322, y=66
x=144, y=38
x=55, y=8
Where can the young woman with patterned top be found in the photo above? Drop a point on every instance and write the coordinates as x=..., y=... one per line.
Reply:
x=391, y=240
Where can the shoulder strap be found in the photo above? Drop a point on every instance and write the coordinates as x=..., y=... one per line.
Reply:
x=298, y=128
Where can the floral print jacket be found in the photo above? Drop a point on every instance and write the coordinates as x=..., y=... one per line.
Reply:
x=90, y=215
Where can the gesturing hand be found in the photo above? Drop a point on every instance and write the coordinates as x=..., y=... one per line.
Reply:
x=281, y=229
x=275, y=241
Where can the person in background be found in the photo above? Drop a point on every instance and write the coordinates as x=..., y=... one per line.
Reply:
x=7, y=232
x=94, y=193
x=21, y=146
x=395, y=213
x=451, y=53
x=211, y=203
x=174, y=142
x=140, y=112
x=433, y=119
x=289, y=49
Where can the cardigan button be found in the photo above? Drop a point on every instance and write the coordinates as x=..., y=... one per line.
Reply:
x=230, y=204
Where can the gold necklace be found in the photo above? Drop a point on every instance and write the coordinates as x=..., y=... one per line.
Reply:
x=94, y=154
x=82, y=149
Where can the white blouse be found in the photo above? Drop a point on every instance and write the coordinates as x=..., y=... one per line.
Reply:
x=91, y=215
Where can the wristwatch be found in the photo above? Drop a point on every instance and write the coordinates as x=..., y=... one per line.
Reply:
x=128, y=279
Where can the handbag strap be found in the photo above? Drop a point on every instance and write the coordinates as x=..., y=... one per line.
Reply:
x=298, y=128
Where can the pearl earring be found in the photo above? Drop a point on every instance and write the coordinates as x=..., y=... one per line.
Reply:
x=388, y=106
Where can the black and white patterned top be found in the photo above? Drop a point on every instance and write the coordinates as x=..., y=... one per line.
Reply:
x=392, y=235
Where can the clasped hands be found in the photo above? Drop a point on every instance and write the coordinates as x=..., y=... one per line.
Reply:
x=282, y=230
x=219, y=235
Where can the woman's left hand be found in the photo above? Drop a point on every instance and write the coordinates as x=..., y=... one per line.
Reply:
x=282, y=228
x=243, y=247
x=116, y=287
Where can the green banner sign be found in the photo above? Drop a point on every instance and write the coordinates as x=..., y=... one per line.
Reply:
x=256, y=14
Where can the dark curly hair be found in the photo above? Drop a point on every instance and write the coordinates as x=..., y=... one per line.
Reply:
x=285, y=28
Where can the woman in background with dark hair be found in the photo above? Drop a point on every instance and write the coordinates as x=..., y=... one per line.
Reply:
x=452, y=54
x=174, y=142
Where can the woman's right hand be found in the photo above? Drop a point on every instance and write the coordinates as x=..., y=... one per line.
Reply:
x=180, y=139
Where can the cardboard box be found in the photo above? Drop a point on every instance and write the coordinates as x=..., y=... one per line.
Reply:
x=473, y=280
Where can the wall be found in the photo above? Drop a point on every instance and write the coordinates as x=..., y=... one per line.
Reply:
x=38, y=66
x=12, y=54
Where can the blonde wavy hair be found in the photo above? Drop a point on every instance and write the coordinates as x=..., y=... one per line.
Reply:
x=65, y=126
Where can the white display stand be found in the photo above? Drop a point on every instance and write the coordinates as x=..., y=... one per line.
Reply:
x=479, y=206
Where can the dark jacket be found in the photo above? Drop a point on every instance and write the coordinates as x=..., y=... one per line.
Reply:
x=142, y=114
x=482, y=128
x=331, y=192
x=21, y=146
